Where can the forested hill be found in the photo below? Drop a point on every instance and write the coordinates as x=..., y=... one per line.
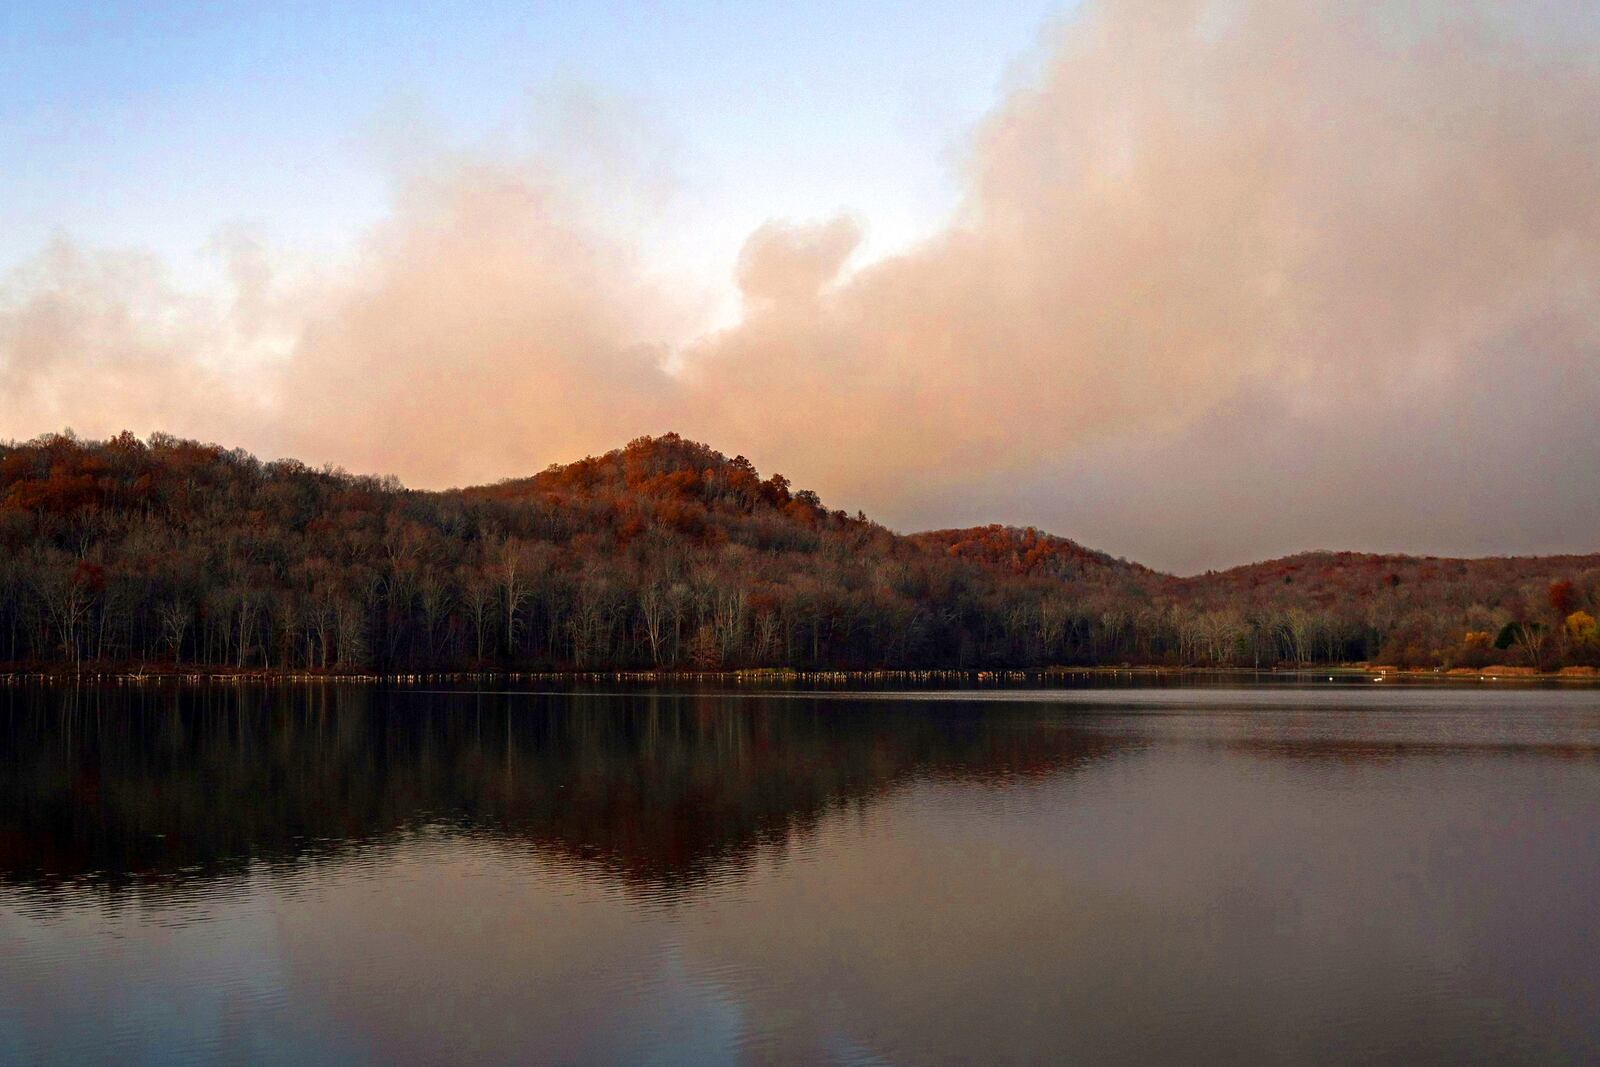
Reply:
x=126, y=553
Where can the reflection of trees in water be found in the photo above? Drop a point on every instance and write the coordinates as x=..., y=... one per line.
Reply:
x=1412, y=747
x=155, y=789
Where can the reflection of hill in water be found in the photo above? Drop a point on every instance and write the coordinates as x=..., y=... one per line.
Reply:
x=157, y=789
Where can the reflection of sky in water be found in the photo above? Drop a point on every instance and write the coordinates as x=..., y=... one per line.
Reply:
x=902, y=881
x=106, y=983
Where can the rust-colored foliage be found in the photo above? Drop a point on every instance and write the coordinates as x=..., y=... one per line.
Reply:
x=665, y=553
x=1019, y=551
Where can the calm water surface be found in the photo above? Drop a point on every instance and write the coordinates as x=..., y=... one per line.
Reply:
x=343, y=874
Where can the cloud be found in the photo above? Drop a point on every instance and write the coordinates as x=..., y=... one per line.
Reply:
x=490, y=325
x=1232, y=253
x=485, y=331
x=1327, y=198
x=102, y=341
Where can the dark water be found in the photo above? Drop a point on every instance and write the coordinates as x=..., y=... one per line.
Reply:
x=354, y=875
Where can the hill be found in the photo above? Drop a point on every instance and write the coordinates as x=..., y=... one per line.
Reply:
x=668, y=554
x=1412, y=610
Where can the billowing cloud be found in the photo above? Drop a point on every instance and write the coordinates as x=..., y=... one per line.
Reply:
x=1218, y=263
x=1324, y=200
x=486, y=330
x=103, y=341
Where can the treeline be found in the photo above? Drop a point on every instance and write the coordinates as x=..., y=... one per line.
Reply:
x=666, y=554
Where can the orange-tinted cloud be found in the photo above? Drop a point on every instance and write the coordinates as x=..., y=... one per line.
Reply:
x=1327, y=197
x=486, y=331
x=1265, y=230
x=102, y=341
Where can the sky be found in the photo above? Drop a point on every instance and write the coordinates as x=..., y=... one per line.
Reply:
x=1196, y=282
x=154, y=124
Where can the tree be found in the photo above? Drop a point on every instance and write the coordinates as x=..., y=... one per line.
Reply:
x=175, y=614
x=1581, y=629
x=478, y=599
x=513, y=567
x=704, y=651
x=1529, y=637
x=434, y=598
x=67, y=588
x=655, y=609
x=594, y=613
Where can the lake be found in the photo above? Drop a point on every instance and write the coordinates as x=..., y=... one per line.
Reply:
x=1273, y=872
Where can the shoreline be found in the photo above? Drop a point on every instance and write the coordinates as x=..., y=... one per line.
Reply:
x=768, y=675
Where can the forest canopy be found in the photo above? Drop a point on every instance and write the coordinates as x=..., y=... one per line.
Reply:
x=666, y=554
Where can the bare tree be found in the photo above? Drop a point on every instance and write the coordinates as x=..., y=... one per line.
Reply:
x=434, y=598
x=513, y=568
x=655, y=609
x=1532, y=638
x=478, y=598
x=65, y=593
x=175, y=615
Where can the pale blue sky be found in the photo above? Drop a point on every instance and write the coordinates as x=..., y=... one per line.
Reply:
x=149, y=125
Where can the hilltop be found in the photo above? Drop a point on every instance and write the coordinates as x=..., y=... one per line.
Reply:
x=668, y=554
